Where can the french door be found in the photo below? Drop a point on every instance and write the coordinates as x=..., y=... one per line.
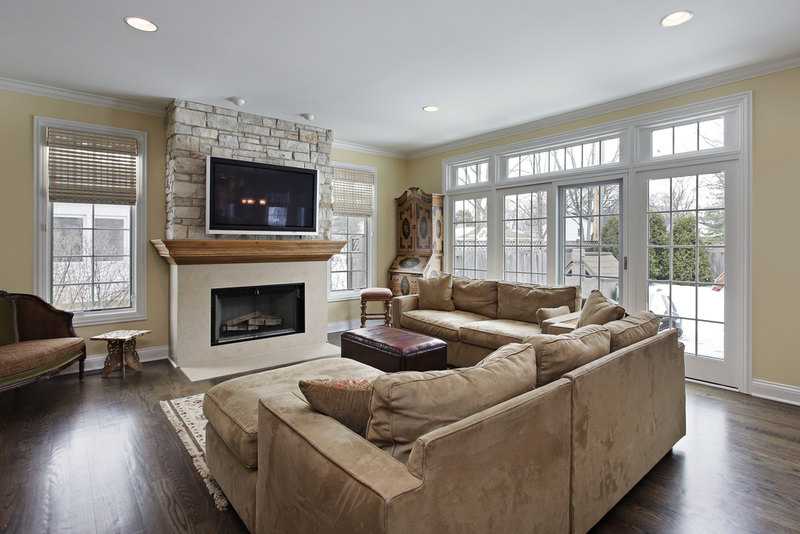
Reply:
x=691, y=263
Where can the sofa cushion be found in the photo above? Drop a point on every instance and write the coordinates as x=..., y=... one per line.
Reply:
x=476, y=296
x=405, y=406
x=24, y=356
x=599, y=310
x=521, y=301
x=556, y=355
x=436, y=323
x=633, y=328
x=436, y=293
x=344, y=399
x=231, y=407
x=543, y=314
x=496, y=333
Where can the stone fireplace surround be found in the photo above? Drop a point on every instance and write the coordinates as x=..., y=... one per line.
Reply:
x=200, y=262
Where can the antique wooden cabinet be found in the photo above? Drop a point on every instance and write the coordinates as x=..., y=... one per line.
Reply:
x=420, y=240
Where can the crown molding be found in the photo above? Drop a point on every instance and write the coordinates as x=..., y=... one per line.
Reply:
x=679, y=89
x=355, y=147
x=80, y=97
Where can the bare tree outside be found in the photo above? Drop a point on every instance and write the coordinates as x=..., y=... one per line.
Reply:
x=91, y=260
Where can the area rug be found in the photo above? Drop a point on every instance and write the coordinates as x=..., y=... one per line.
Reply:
x=186, y=416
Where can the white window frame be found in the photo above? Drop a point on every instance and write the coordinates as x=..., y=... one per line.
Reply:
x=635, y=157
x=42, y=216
x=372, y=242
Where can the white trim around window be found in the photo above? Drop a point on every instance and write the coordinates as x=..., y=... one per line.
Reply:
x=42, y=211
x=372, y=243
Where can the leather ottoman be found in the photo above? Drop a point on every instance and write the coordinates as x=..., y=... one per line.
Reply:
x=391, y=349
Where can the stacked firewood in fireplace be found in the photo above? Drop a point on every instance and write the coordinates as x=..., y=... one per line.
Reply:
x=251, y=321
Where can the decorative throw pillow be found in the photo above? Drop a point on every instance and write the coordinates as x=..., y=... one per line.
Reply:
x=476, y=296
x=344, y=399
x=407, y=405
x=633, y=328
x=556, y=355
x=436, y=293
x=599, y=310
x=543, y=314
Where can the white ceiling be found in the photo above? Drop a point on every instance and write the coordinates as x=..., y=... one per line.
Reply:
x=367, y=67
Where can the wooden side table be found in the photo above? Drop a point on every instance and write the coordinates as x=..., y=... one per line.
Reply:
x=121, y=350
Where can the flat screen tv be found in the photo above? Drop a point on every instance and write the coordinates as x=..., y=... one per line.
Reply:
x=244, y=197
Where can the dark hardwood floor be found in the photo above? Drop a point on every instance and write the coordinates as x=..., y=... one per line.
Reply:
x=100, y=456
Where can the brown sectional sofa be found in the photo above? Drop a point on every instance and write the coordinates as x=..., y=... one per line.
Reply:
x=476, y=317
x=537, y=457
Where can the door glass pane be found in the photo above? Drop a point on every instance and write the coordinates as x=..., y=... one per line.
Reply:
x=686, y=256
x=590, y=244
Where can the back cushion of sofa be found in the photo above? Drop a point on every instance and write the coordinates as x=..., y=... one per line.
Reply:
x=476, y=296
x=556, y=355
x=436, y=293
x=7, y=335
x=520, y=302
x=632, y=329
x=407, y=405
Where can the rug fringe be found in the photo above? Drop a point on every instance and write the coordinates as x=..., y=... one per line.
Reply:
x=197, y=456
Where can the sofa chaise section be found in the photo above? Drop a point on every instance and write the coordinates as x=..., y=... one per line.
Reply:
x=504, y=469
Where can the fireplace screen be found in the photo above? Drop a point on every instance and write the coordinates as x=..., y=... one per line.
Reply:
x=247, y=313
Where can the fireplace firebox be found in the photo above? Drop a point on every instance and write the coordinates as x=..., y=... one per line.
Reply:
x=255, y=312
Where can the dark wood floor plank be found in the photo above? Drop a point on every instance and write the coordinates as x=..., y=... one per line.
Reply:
x=100, y=456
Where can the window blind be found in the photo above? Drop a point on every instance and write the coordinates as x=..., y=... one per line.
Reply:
x=89, y=168
x=352, y=192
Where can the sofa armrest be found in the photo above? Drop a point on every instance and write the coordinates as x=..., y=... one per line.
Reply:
x=402, y=304
x=316, y=475
x=628, y=410
x=563, y=324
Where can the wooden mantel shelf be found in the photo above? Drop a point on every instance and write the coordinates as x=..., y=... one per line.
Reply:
x=216, y=251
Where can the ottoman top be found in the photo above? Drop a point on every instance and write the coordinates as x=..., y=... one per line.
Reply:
x=394, y=340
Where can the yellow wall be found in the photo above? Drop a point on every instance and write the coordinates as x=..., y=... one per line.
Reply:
x=392, y=175
x=776, y=192
x=776, y=188
x=17, y=201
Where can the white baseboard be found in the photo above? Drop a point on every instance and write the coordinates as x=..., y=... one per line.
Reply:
x=775, y=391
x=95, y=362
x=341, y=326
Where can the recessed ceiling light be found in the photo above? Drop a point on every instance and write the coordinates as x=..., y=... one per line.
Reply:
x=430, y=108
x=140, y=24
x=237, y=100
x=676, y=18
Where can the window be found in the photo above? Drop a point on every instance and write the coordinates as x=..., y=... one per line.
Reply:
x=525, y=236
x=472, y=173
x=353, y=269
x=571, y=157
x=92, y=216
x=470, y=237
x=590, y=245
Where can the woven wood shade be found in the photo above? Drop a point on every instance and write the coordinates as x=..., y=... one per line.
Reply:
x=352, y=192
x=89, y=168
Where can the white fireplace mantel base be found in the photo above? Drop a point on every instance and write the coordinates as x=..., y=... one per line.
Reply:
x=190, y=318
x=255, y=362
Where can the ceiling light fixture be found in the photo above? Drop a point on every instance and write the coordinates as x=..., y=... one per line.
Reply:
x=676, y=18
x=308, y=116
x=237, y=100
x=140, y=24
x=430, y=109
